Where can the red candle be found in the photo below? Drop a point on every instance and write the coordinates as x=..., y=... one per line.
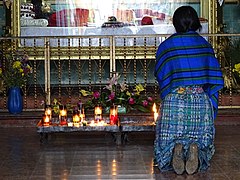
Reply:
x=113, y=115
x=63, y=115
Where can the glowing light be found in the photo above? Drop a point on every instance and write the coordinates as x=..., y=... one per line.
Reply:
x=154, y=109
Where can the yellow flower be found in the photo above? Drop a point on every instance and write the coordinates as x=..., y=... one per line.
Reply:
x=0, y=71
x=29, y=67
x=128, y=93
x=85, y=93
x=237, y=68
x=17, y=65
x=55, y=101
x=139, y=88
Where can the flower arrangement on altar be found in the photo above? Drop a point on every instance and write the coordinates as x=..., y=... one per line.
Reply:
x=115, y=93
x=16, y=69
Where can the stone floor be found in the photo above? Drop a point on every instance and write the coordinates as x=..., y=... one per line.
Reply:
x=95, y=156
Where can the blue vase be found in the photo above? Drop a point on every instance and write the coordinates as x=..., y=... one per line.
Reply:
x=15, y=100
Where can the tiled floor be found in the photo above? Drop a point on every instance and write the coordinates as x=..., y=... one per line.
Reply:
x=95, y=156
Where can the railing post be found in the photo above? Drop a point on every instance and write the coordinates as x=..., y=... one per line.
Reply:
x=112, y=56
x=47, y=70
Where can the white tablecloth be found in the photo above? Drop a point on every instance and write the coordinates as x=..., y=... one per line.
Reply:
x=40, y=32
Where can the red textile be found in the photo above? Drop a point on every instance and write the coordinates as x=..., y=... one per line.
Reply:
x=146, y=20
x=69, y=18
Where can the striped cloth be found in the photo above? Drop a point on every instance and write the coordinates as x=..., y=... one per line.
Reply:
x=186, y=117
x=188, y=59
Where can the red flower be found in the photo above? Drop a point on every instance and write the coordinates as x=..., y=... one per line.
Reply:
x=145, y=103
x=111, y=96
x=150, y=99
x=96, y=94
x=131, y=101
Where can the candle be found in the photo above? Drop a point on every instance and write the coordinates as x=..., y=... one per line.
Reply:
x=70, y=124
x=154, y=109
x=63, y=112
x=92, y=123
x=81, y=112
x=98, y=113
x=48, y=111
x=63, y=115
x=113, y=115
x=46, y=120
x=76, y=118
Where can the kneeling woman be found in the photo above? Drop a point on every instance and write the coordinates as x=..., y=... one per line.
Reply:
x=189, y=78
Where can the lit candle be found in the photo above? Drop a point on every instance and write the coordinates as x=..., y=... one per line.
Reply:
x=155, y=112
x=76, y=118
x=48, y=111
x=98, y=113
x=81, y=111
x=63, y=115
x=113, y=115
x=46, y=120
x=70, y=124
x=63, y=112
x=92, y=123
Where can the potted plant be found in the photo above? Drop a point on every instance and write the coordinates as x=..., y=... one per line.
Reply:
x=232, y=55
x=14, y=71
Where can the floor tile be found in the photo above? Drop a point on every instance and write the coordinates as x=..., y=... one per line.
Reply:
x=95, y=156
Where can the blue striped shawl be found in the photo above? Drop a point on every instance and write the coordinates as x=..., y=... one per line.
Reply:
x=188, y=59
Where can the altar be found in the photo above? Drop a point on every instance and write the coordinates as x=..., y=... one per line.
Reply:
x=92, y=36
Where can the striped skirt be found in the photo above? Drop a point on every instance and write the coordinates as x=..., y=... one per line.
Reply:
x=186, y=117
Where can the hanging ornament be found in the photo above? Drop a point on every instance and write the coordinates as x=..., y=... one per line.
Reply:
x=8, y=3
x=220, y=2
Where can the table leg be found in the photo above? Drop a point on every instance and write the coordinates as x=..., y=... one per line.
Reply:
x=124, y=137
x=118, y=136
x=43, y=138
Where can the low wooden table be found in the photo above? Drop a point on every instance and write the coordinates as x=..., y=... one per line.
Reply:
x=119, y=132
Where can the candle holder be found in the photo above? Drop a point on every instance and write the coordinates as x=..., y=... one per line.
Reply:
x=62, y=115
x=48, y=111
x=81, y=112
x=76, y=118
x=113, y=116
x=98, y=113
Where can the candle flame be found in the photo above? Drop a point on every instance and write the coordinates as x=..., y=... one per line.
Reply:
x=63, y=112
x=48, y=112
x=76, y=118
x=154, y=109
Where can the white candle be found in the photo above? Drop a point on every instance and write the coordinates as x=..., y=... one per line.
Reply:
x=76, y=118
x=98, y=113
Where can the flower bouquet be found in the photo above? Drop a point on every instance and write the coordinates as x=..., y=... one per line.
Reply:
x=16, y=69
x=115, y=93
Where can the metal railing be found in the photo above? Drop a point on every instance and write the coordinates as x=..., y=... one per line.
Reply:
x=62, y=66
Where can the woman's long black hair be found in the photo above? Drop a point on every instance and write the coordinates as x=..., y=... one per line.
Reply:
x=185, y=19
